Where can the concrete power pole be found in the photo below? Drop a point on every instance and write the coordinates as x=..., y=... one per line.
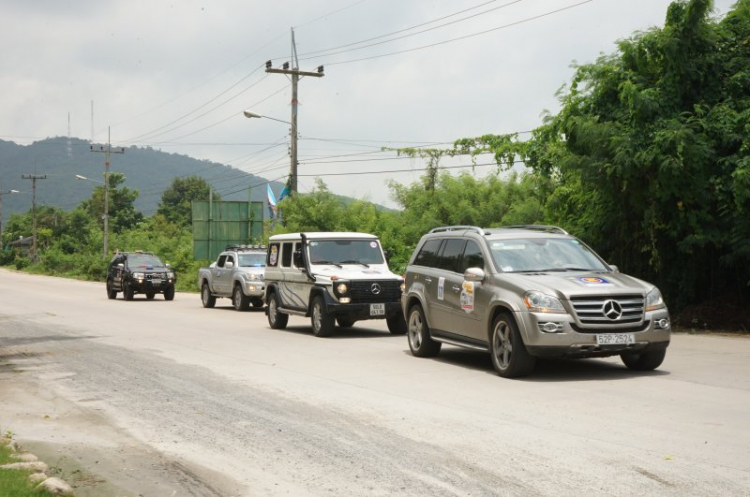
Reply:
x=106, y=151
x=296, y=75
x=33, y=178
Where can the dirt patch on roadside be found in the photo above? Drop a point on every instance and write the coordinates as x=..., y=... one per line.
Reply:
x=81, y=446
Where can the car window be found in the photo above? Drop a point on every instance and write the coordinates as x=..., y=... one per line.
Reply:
x=230, y=258
x=345, y=252
x=286, y=254
x=144, y=261
x=221, y=261
x=273, y=254
x=473, y=257
x=544, y=254
x=252, y=260
x=427, y=255
x=450, y=254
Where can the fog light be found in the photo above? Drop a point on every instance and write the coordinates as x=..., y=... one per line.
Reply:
x=251, y=288
x=550, y=327
x=345, y=300
x=663, y=323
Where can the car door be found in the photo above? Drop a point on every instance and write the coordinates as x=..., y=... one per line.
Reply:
x=469, y=310
x=217, y=274
x=452, y=282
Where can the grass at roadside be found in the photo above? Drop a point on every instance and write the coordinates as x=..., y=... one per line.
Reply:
x=13, y=482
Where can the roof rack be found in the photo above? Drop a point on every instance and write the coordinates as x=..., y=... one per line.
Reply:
x=245, y=247
x=537, y=227
x=475, y=229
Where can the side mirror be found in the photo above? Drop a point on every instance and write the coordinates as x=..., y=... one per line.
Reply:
x=475, y=274
x=121, y=265
x=387, y=255
x=298, y=259
x=614, y=268
x=167, y=265
x=228, y=265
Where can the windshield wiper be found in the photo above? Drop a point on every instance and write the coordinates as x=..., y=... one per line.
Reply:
x=355, y=262
x=322, y=263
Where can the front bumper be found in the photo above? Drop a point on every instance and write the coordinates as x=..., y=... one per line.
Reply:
x=572, y=341
x=148, y=286
x=254, y=289
x=359, y=312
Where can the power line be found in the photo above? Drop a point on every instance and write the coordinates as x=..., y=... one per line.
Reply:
x=471, y=35
x=332, y=52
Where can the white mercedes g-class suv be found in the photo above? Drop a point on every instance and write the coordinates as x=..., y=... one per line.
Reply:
x=331, y=277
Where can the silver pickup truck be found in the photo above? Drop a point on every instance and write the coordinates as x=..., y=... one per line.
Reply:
x=236, y=274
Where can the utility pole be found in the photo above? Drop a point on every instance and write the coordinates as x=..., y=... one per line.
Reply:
x=296, y=75
x=106, y=151
x=33, y=178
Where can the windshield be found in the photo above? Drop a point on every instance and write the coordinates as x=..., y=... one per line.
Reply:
x=544, y=254
x=339, y=252
x=252, y=260
x=144, y=261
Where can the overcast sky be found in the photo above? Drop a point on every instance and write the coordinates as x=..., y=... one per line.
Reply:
x=177, y=75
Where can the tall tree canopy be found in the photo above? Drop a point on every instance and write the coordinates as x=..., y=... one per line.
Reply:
x=650, y=153
x=122, y=212
x=176, y=200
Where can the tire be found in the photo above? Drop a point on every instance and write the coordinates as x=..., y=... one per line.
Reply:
x=111, y=292
x=257, y=302
x=207, y=299
x=127, y=291
x=396, y=324
x=276, y=319
x=150, y=295
x=239, y=300
x=322, y=322
x=509, y=355
x=420, y=341
x=169, y=293
x=344, y=322
x=645, y=361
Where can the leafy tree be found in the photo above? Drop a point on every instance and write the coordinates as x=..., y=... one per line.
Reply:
x=650, y=153
x=122, y=213
x=176, y=200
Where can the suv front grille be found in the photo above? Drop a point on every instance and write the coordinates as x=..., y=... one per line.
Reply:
x=362, y=291
x=156, y=276
x=609, y=310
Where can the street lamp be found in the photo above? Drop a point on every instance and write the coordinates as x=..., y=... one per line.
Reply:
x=106, y=211
x=293, y=155
x=1, y=213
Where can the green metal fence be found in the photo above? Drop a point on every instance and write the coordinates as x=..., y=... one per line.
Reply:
x=218, y=224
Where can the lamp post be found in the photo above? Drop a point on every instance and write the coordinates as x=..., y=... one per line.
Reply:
x=1, y=213
x=106, y=200
x=293, y=168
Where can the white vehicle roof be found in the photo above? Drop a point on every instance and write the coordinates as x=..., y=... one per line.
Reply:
x=324, y=235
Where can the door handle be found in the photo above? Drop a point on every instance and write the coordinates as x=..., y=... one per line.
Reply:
x=456, y=288
x=428, y=280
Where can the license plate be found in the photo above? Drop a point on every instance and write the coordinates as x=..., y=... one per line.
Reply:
x=156, y=282
x=615, y=339
x=377, y=309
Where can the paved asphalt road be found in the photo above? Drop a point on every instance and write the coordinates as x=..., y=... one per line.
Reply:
x=168, y=398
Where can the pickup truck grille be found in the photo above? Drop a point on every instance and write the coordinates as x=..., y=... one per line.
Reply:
x=375, y=291
x=609, y=310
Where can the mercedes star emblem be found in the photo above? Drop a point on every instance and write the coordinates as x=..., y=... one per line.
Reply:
x=612, y=309
x=375, y=289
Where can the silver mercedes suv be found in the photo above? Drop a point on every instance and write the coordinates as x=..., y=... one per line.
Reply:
x=522, y=292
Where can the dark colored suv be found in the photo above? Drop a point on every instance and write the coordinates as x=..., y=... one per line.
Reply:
x=139, y=272
x=522, y=292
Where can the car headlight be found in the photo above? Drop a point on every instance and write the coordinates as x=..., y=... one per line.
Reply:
x=654, y=300
x=138, y=276
x=541, y=302
x=342, y=287
x=170, y=274
x=252, y=276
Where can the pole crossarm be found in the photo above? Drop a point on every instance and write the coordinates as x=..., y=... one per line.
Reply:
x=296, y=72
